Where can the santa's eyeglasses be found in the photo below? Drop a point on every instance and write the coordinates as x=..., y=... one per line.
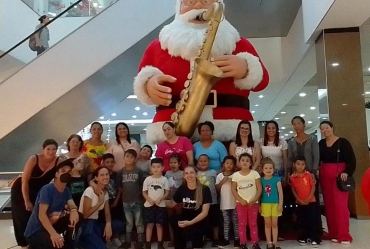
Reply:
x=190, y=3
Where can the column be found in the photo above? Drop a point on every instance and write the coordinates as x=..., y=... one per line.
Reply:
x=341, y=89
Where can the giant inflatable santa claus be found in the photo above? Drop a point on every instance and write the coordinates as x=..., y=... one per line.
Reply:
x=167, y=61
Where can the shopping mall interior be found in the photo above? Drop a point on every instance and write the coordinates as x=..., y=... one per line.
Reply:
x=317, y=53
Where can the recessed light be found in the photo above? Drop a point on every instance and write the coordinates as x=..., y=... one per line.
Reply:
x=101, y=117
x=277, y=118
x=256, y=105
x=286, y=135
x=134, y=116
x=310, y=122
x=283, y=112
x=132, y=124
x=114, y=114
x=283, y=128
x=335, y=64
x=302, y=94
x=281, y=136
x=137, y=108
x=290, y=132
x=344, y=104
x=253, y=111
x=368, y=69
x=145, y=113
x=132, y=97
x=312, y=107
x=144, y=129
x=367, y=92
x=261, y=96
x=302, y=115
x=318, y=117
x=324, y=118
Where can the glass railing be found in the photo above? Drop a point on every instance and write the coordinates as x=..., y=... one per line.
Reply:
x=49, y=33
x=53, y=8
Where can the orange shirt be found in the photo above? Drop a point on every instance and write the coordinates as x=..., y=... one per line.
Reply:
x=303, y=185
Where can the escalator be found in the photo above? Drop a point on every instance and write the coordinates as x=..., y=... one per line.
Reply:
x=72, y=83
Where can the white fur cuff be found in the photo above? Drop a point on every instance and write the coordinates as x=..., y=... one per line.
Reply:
x=255, y=72
x=140, y=83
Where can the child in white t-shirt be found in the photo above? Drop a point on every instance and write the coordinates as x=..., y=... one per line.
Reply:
x=227, y=200
x=247, y=189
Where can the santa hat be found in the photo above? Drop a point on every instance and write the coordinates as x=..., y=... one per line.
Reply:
x=178, y=5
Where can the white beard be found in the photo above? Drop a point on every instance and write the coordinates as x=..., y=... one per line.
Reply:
x=182, y=38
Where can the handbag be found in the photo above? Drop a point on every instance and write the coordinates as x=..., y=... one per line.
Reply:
x=348, y=185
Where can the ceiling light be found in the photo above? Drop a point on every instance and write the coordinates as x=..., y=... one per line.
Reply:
x=310, y=122
x=281, y=136
x=95, y=5
x=253, y=111
x=144, y=129
x=368, y=69
x=335, y=64
x=302, y=115
x=283, y=128
x=101, y=117
x=145, y=113
x=261, y=96
x=137, y=108
x=323, y=118
x=290, y=132
x=312, y=108
x=114, y=114
x=302, y=94
x=344, y=104
x=134, y=116
x=367, y=92
x=132, y=124
x=318, y=117
x=277, y=118
x=283, y=112
x=256, y=105
x=127, y=121
x=286, y=135
x=132, y=97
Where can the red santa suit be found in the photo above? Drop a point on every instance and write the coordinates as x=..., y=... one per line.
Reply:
x=173, y=54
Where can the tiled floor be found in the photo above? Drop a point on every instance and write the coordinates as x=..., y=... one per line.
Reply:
x=360, y=231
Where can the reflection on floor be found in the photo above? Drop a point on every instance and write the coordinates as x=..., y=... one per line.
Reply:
x=360, y=230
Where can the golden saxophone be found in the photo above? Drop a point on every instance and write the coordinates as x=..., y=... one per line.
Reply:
x=201, y=79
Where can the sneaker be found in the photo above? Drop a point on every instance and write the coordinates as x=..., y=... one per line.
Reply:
x=236, y=244
x=270, y=246
x=243, y=246
x=117, y=242
x=256, y=246
x=215, y=243
x=223, y=243
x=302, y=242
x=345, y=242
x=314, y=244
x=148, y=245
x=160, y=245
x=334, y=240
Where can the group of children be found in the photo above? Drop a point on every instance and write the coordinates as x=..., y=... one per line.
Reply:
x=238, y=195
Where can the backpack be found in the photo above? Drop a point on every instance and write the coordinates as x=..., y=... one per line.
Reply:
x=32, y=41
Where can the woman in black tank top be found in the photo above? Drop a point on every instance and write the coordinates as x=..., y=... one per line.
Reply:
x=38, y=171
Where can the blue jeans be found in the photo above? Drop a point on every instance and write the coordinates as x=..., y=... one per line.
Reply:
x=134, y=213
x=91, y=233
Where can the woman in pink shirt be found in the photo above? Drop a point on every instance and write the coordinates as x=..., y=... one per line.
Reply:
x=175, y=145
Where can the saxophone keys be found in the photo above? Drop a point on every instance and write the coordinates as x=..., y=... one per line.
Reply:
x=175, y=118
x=187, y=84
x=180, y=107
x=190, y=75
x=199, y=53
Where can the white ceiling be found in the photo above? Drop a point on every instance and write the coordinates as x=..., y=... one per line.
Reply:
x=276, y=92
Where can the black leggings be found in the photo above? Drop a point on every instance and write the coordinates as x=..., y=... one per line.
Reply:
x=20, y=219
x=193, y=233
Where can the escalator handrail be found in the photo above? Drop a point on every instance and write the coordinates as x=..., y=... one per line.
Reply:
x=43, y=26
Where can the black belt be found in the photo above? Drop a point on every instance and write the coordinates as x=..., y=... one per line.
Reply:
x=223, y=100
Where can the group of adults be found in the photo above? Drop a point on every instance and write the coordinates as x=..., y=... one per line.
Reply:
x=331, y=156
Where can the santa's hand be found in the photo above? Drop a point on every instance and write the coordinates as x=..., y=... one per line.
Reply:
x=232, y=66
x=160, y=95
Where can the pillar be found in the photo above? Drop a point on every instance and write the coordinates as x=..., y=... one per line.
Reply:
x=341, y=94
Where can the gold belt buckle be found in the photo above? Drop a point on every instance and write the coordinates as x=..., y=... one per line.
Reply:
x=214, y=92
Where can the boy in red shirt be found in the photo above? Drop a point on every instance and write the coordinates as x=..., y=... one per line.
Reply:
x=303, y=187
